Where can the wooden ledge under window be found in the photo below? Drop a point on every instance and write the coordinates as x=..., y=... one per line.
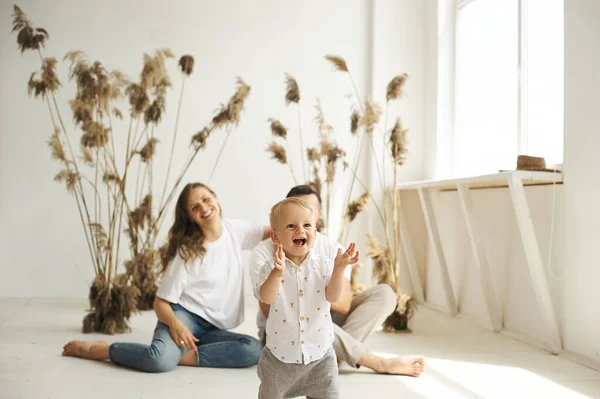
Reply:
x=501, y=179
x=515, y=181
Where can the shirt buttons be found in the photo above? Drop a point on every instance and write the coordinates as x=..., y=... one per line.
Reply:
x=300, y=293
x=301, y=318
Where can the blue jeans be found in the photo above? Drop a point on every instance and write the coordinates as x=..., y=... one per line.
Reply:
x=216, y=348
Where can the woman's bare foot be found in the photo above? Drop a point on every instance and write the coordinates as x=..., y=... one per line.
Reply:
x=94, y=350
x=405, y=365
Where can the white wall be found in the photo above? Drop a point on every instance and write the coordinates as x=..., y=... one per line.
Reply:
x=575, y=249
x=582, y=187
x=42, y=250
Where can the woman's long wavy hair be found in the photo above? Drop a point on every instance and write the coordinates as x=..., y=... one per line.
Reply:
x=185, y=236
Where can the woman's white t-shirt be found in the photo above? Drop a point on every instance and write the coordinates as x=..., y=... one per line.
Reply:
x=213, y=288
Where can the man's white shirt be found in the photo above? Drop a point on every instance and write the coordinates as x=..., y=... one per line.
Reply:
x=299, y=327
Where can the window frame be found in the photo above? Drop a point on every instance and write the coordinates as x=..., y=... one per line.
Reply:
x=522, y=76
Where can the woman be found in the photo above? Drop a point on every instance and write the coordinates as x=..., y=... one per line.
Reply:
x=200, y=296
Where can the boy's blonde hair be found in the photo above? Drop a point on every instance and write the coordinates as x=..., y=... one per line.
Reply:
x=276, y=209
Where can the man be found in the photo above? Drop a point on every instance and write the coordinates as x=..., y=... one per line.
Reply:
x=354, y=317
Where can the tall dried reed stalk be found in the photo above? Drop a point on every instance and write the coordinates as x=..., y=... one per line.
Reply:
x=386, y=258
x=324, y=160
x=364, y=122
x=104, y=200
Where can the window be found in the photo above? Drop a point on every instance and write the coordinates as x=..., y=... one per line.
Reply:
x=509, y=83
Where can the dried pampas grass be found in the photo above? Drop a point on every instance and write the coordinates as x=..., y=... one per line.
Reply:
x=28, y=38
x=87, y=156
x=356, y=207
x=70, y=178
x=56, y=147
x=338, y=63
x=292, y=92
x=100, y=236
x=230, y=114
x=94, y=135
x=199, y=139
x=398, y=143
x=371, y=116
x=49, y=81
x=277, y=152
x=138, y=99
x=354, y=122
x=96, y=87
x=382, y=259
x=324, y=128
x=113, y=296
x=148, y=150
x=111, y=178
x=142, y=214
x=313, y=155
x=395, y=87
x=398, y=320
x=143, y=270
x=186, y=63
x=112, y=305
x=277, y=129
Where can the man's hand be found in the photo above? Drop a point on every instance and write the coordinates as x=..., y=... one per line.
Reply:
x=349, y=257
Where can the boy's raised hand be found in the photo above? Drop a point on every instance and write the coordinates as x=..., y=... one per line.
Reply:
x=279, y=256
x=349, y=257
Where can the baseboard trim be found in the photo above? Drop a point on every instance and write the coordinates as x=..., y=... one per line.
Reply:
x=437, y=308
x=582, y=360
x=472, y=319
x=574, y=357
x=527, y=339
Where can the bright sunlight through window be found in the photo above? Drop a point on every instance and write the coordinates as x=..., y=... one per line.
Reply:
x=509, y=84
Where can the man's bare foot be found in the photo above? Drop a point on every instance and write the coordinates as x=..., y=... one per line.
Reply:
x=94, y=350
x=405, y=365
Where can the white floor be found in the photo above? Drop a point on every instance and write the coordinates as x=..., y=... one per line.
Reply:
x=464, y=361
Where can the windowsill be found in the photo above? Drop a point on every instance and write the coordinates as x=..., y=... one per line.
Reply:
x=529, y=178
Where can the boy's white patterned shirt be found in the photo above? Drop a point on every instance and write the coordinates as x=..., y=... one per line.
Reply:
x=299, y=327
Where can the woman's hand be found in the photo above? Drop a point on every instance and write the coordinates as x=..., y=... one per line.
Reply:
x=182, y=336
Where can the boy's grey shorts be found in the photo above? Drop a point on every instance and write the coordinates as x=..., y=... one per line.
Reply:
x=279, y=380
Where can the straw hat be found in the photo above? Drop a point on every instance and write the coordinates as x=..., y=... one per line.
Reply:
x=525, y=162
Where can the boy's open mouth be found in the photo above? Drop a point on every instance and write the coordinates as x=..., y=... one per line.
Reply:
x=299, y=242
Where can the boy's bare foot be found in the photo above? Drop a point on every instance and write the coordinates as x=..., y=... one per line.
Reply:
x=405, y=365
x=94, y=350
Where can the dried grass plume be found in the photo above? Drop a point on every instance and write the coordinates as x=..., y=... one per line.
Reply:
x=354, y=122
x=277, y=129
x=28, y=38
x=49, y=80
x=186, y=63
x=292, y=93
x=371, y=115
x=338, y=63
x=395, y=87
x=356, y=207
x=382, y=259
x=398, y=143
x=277, y=152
